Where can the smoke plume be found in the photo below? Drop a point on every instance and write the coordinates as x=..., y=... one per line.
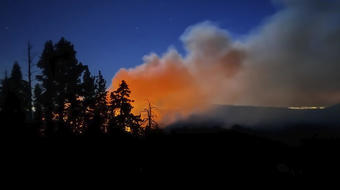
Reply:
x=292, y=59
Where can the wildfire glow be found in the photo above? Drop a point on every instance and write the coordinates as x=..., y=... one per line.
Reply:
x=306, y=107
x=170, y=88
x=181, y=85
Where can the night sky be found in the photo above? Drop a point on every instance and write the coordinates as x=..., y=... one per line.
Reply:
x=109, y=35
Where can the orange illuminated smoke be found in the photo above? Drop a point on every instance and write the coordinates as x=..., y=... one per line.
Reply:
x=180, y=86
x=168, y=86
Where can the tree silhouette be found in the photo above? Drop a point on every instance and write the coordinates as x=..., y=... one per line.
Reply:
x=120, y=109
x=48, y=68
x=68, y=100
x=88, y=99
x=151, y=124
x=15, y=101
x=29, y=75
x=61, y=84
x=19, y=87
x=99, y=122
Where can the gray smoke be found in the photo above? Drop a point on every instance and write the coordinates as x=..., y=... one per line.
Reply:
x=292, y=59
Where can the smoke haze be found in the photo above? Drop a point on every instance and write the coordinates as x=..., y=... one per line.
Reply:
x=292, y=59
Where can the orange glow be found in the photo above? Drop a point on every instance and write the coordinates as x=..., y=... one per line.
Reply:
x=128, y=129
x=170, y=87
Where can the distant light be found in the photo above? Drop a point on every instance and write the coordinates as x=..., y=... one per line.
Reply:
x=128, y=129
x=306, y=107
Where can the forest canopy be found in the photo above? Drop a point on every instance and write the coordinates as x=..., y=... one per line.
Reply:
x=68, y=100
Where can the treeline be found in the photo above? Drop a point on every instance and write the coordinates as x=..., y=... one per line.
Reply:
x=67, y=100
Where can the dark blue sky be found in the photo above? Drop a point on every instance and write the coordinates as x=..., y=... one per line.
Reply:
x=109, y=35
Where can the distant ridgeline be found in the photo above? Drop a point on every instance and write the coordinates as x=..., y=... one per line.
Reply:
x=310, y=120
x=253, y=116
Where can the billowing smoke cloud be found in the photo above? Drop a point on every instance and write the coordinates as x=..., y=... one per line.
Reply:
x=292, y=59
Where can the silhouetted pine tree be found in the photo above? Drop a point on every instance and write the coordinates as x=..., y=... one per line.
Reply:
x=88, y=98
x=19, y=87
x=61, y=85
x=47, y=65
x=120, y=110
x=99, y=123
x=15, y=102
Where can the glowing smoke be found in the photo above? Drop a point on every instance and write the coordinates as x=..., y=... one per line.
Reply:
x=292, y=59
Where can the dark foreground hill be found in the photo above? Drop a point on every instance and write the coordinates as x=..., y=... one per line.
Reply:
x=181, y=154
x=195, y=149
